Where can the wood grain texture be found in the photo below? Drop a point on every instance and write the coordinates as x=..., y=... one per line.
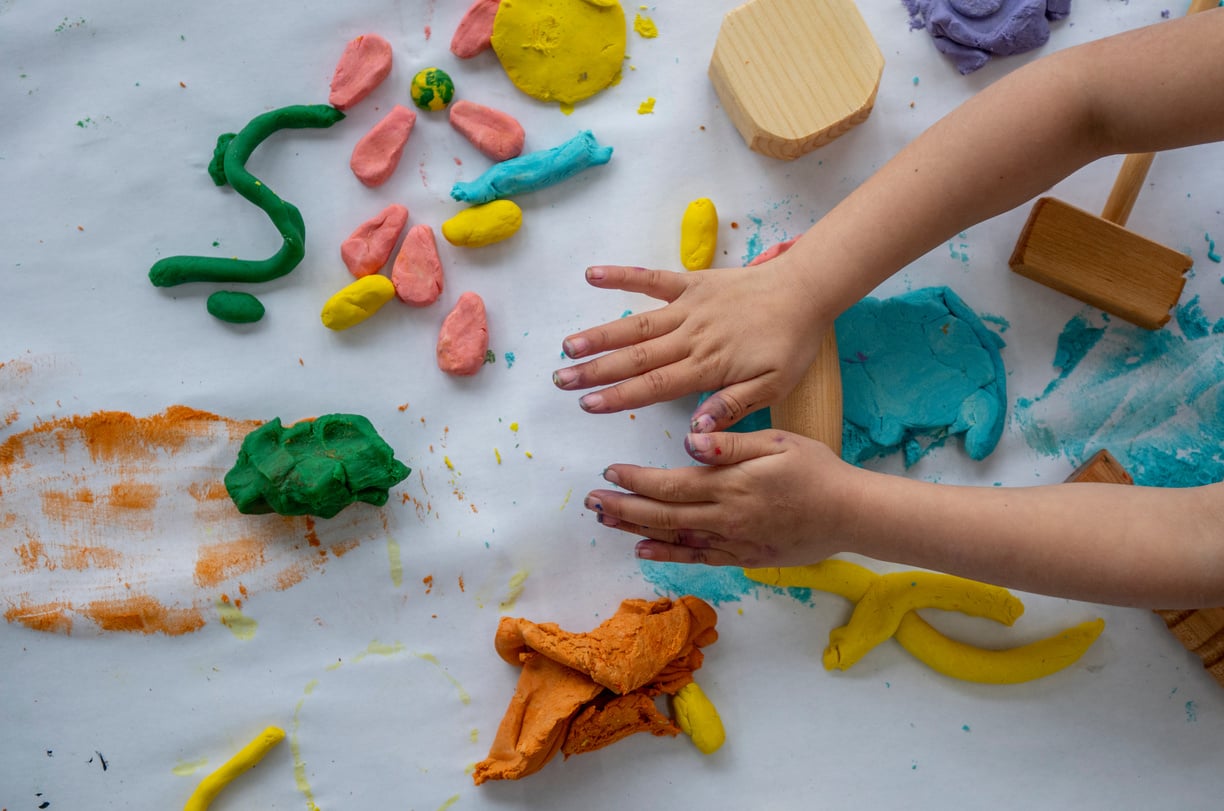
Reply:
x=1100, y=263
x=795, y=74
x=1201, y=630
x=814, y=407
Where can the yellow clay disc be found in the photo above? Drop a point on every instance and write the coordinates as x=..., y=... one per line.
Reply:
x=560, y=50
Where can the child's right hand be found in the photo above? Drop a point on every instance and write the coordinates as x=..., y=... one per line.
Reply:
x=746, y=334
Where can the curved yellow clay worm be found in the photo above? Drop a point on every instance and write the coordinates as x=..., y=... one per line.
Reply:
x=698, y=718
x=247, y=757
x=947, y=656
x=891, y=596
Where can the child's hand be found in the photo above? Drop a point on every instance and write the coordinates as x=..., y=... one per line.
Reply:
x=749, y=334
x=768, y=498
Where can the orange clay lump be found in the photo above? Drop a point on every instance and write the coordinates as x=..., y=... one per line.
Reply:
x=578, y=692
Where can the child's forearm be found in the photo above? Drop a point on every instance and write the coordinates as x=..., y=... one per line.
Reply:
x=1119, y=544
x=1152, y=89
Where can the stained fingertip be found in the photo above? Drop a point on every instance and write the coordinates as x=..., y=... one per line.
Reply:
x=700, y=446
x=646, y=551
x=575, y=347
x=591, y=402
x=596, y=273
x=702, y=424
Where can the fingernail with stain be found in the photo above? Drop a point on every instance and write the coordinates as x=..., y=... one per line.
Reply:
x=610, y=476
x=698, y=445
x=575, y=347
x=591, y=402
x=703, y=424
x=564, y=378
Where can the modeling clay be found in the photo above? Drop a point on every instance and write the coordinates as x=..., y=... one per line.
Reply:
x=535, y=170
x=698, y=234
x=475, y=31
x=560, y=50
x=971, y=31
x=356, y=302
x=611, y=718
x=378, y=152
x=891, y=596
x=228, y=165
x=248, y=756
x=699, y=718
x=432, y=89
x=369, y=247
x=235, y=307
x=417, y=274
x=463, y=339
x=947, y=656
x=314, y=467
x=496, y=134
x=653, y=645
x=483, y=225
x=917, y=369
x=366, y=61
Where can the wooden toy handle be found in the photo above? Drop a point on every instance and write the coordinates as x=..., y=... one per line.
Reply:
x=814, y=408
x=1126, y=188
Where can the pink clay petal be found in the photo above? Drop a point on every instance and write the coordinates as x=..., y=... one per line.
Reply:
x=378, y=152
x=369, y=247
x=366, y=61
x=496, y=134
x=475, y=31
x=417, y=273
x=464, y=337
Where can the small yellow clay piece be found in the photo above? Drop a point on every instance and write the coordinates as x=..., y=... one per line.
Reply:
x=248, y=756
x=645, y=27
x=698, y=234
x=698, y=717
x=358, y=301
x=947, y=656
x=483, y=224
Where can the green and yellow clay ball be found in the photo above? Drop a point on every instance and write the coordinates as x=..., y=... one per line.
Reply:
x=432, y=89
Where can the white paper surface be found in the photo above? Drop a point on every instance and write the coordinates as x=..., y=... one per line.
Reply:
x=385, y=680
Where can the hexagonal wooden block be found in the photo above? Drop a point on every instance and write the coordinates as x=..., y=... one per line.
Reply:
x=795, y=74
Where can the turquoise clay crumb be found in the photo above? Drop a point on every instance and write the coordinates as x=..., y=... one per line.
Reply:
x=235, y=307
x=314, y=467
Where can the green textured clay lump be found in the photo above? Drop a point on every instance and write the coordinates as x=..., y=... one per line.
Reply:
x=314, y=467
x=235, y=307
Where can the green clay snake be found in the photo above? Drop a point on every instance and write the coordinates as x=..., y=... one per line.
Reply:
x=228, y=166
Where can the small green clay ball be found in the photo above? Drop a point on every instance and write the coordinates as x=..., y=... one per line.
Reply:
x=432, y=89
x=235, y=307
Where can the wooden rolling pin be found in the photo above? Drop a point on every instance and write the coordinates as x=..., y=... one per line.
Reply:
x=814, y=407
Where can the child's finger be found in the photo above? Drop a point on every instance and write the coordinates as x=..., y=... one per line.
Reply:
x=730, y=448
x=651, y=386
x=665, y=285
x=643, y=358
x=725, y=407
x=649, y=549
x=613, y=509
x=627, y=331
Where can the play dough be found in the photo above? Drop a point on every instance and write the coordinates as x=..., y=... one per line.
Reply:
x=378, y=152
x=560, y=50
x=698, y=234
x=244, y=760
x=645, y=649
x=314, y=467
x=463, y=339
x=972, y=31
x=916, y=369
x=369, y=247
x=699, y=718
x=432, y=89
x=528, y=173
x=497, y=135
x=228, y=166
x=366, y=61
x=235, y=307
x=417, y=274
x=474, y=33
x=483, y=225
x=356, y=302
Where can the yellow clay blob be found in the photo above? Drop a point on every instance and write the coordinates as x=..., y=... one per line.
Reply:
x=247, y=757
x=698, y=234
x=357, y=302
x=484, y=224
x=699, y=719
x=560, y=50
x=645, y=27
x=947, y=656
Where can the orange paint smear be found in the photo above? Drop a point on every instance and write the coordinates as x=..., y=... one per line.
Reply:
x=143, y=614
x=52, y=617
x=219, y=562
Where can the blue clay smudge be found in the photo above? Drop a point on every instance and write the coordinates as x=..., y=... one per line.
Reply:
x=1154, y=399
x=1211, y=249
x=510, y=360
x=714, y=584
